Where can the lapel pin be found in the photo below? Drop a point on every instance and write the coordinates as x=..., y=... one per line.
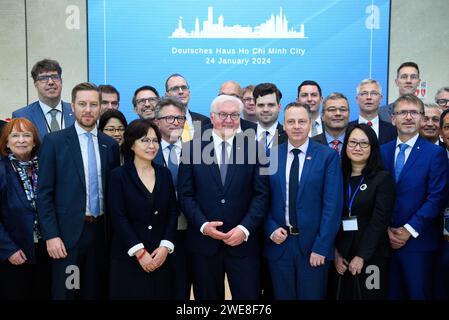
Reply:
x=309, y=158
x=363, y=187
x=104, y=146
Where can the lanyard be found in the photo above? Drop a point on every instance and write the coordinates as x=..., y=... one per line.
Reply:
x=353, y=196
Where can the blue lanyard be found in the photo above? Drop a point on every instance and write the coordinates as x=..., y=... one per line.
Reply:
x=355, y=192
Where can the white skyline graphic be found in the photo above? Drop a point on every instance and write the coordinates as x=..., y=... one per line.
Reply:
x=275, y=27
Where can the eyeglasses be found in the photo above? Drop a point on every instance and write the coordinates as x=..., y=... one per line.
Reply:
x=442, y=102
x=404, y=113
x=406, y=76
x=113, y=130
x=373, y=94
x=152, y=101
x=149, y=141
x=45, y=78
x=177, y=88
x=223, y=115
x=334, y=110
x=248, y=100
x=171, y=119
x=362, y=144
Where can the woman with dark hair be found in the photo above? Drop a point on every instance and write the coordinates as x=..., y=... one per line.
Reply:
x=113, y=123
x=24, y=262
x=144, y=216
x=362, y=246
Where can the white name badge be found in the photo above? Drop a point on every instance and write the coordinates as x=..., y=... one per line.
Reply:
x=350, y=224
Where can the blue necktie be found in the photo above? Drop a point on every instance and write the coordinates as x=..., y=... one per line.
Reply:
x=94, y=198
x=223, y=162
x=400, y=160
x=267, y=144
x=172, y=163
x=293, y=188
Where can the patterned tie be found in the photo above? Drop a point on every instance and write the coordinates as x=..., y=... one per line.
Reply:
x=369, y=123
x=54, y=125
x=173, y=163
x=94, y=198
x=400, y=160
x=186, y=136
x=293, y=188
x=335, y=144
x=223, y=162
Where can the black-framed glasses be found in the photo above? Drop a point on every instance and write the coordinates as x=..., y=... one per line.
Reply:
x=171, y=119
x=113, y=130
x=442, y=102
x=223, y=115
x=45, y=78
x=177, y=88
x=404, y=113
x=149, y=141
x=152, y=101
x=362, y=144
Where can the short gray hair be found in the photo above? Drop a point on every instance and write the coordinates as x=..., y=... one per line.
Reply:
x=219, y=100
x=442, y=89
x=369, y=81
x=169, y=101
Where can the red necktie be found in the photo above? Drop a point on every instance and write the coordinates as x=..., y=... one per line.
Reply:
x=335, y=145
x=369, y=123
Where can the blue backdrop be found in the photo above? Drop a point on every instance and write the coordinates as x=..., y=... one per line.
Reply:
x=336, y=43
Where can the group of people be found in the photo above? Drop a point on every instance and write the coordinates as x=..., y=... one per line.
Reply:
x=93, y=207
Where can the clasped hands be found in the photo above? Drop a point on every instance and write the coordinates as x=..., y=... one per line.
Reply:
x=398, y=237
x=151, y=262
x=232, y=238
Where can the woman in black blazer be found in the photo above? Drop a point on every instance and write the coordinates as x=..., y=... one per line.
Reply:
x=24, y=263
x=362, y=246
x=142, y=205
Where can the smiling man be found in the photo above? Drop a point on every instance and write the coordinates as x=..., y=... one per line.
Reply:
x=145, y=100
x=430, y=123
x=49, y=113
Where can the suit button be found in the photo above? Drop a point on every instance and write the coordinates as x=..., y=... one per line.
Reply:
x=223, y=201
x=150, y=227
x=156, y=212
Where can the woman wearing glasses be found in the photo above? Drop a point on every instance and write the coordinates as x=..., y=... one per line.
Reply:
x=362, y=246
x=143, y=209
x=113, y=123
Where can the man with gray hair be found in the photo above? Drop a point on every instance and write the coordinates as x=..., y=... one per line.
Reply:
x=430, y=124
x=225, y=198
x=442, y=97
x=369, y=96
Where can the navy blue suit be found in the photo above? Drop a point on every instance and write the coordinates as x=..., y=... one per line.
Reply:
x=139, y=216
x=33, y=112
x=421, y=193
x=243, y=200
x=61, y=201
x=318, y=208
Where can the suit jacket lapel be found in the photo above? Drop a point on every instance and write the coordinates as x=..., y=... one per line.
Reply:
x=307, y=166
x=17, y=186
x=414, y=154
x=75, y=150
x=232, y=163
x=103, y=148
x=68, y=115
x=213, y=167
x=282, y=164
x=39, y=119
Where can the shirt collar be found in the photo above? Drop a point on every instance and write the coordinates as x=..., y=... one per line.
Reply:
x=80, y=131
x=410, y=142
x=46, y=108
x=218, y=140
x=302, y=147
x=375, y=121
x=330, y=138
x=165, y=144
x=271, y=130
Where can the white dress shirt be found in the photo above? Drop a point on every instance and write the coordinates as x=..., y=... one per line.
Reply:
x=319, y=126
x=375, y=124
x=59, y=116
x=260, y=133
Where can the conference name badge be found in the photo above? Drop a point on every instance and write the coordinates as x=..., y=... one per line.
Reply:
x=350, y=223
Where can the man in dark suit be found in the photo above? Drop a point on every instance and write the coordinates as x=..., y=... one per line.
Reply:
x=49, y=113
x=420, y=169
x=335, y=119
x=176, y=86
x=75, y=163
x=145, y=99
x=302, y=223
x=407, y=80
x=369, y=96
x=170, y=118
x=430, y=124
x=224, y=197
x=268, y=104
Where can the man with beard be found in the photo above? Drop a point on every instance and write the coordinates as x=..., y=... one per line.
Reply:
x=49, y=113
x=145, y=100
x=336, y=119
x=74, y=166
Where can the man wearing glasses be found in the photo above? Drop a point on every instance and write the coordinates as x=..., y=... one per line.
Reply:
x=170, y=119
x=225, y=199
x=369, y=96
x=49, y=113
x=144, y=101
x=176, y=86
x=420, y=169
x=407, y=81
x=442, y=98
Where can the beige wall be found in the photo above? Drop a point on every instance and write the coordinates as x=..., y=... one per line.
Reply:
x=31, y=30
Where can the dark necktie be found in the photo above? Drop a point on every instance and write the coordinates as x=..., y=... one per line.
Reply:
x=223, y=162
x=267, y=144
x=173, y=163
x=293, y=191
